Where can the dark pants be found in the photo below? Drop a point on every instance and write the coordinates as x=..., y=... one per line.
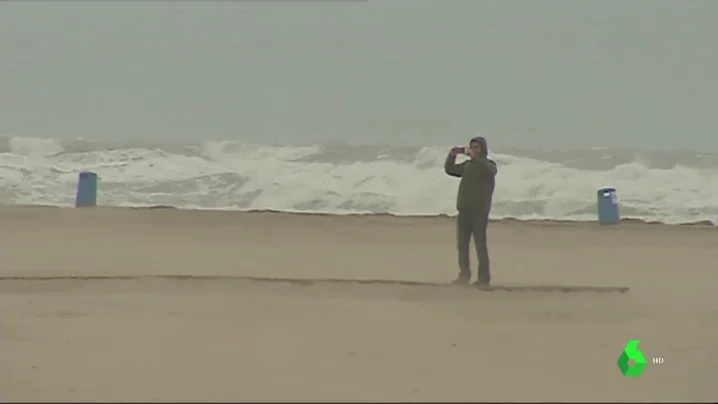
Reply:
x=468, y=224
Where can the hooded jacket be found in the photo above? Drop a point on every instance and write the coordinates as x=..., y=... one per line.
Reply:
x=478, y=175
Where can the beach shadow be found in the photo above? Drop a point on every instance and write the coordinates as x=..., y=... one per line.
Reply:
x=319, y=281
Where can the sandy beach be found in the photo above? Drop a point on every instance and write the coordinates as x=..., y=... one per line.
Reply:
x=139, y=337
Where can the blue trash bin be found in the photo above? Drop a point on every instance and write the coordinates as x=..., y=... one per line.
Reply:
x=86, y=190
x=608, y=212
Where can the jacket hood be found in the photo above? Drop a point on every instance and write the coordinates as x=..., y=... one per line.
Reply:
x=482, y=142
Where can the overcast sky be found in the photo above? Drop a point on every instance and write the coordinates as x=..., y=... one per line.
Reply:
x=637, y=73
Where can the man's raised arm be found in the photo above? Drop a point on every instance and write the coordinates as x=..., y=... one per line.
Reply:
x=450, y=166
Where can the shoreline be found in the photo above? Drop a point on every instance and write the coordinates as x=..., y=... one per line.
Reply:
x=631, y=221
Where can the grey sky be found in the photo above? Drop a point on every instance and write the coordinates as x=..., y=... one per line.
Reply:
x=564, y=73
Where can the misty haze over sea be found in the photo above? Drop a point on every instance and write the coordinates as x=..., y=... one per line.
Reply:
x=350, y=106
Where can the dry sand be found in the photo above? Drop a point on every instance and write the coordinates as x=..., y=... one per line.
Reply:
x=232, y=339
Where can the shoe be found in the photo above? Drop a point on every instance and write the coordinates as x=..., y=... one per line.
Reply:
x=482, y=284
x=461, y=280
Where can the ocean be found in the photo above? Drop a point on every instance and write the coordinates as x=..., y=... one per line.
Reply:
x=339, y=178
x=350, y=106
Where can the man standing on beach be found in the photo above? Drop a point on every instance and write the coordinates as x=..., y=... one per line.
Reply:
x=473, y=203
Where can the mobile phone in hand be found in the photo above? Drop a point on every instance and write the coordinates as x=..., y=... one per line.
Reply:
x=459, y=150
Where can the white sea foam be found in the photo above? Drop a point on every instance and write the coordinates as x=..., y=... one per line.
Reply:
x=345, y=179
